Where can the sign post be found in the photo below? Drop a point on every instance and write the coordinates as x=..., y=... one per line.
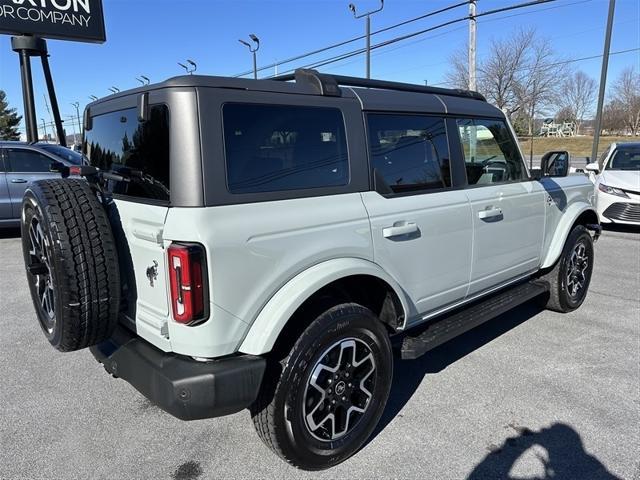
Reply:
x=75, y=20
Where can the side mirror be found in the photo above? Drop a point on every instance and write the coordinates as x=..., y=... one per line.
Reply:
x=536, y=173
x=592, y=167
x=555, y=164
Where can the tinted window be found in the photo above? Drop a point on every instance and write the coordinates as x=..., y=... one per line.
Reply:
x=24, y=161
x=137, y=151
x=490, y=153
x=270, y=148
x=409, y=152
x=63, y=152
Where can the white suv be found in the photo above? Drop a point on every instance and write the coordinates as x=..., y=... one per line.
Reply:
x=239, y=243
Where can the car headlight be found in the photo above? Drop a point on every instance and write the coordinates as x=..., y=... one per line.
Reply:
x=612, y=191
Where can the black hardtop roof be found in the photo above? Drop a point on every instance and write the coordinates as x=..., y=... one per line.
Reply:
x=372, y=94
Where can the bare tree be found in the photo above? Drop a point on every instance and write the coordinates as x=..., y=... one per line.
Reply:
x=613, y=117
x=626, y=92
x=458, y=74
x=520, y=76
x=565, y=114
x=578, y=94
x=501, y=73
x=540, y=81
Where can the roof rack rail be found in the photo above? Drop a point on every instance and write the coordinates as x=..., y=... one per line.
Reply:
x=327, y=84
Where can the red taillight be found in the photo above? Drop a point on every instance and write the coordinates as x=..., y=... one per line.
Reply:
x=187, y=275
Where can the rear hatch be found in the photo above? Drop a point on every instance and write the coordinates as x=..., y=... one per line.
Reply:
x=138, y=152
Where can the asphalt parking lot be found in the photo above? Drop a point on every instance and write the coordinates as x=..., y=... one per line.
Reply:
x=530, y=395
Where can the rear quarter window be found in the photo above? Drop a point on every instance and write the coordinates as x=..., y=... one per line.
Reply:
x=138, y=151
x=272, y=148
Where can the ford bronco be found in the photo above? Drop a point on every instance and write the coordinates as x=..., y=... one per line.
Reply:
x=268, y=244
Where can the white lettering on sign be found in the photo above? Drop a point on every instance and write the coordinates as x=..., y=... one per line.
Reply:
x=62, y=5
x=37, y=15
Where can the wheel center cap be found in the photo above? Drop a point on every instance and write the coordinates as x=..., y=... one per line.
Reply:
x=340, y=387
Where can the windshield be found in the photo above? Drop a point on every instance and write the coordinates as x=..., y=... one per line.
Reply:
x=625, y=158
x=63, y=152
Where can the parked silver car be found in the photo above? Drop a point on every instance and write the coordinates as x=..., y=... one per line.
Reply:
x=20, y=165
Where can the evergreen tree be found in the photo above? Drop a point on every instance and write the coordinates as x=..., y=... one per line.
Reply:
x=9, y=120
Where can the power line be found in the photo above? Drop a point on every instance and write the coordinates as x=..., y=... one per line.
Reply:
x=385, y=43
x=484, y=21
x=565, y=62
x=555, y=37
x=355, y=39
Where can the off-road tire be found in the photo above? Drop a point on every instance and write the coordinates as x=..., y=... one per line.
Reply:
x=278, y=412
x=559, y=298
x=79, y=256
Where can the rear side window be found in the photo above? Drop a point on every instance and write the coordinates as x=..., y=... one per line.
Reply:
x=27, y=161
x=410, y=153
x=276, y=147
x=138, y=151
x=490, y=153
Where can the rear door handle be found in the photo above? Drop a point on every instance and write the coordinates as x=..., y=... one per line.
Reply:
x=490, y=213
x=399, y=228
x=19, y=180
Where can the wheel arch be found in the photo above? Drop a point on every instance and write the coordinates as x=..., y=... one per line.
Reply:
x=348, y=279
x=576, y=214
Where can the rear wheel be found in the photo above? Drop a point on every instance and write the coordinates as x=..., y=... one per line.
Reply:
x=71, y=263
x=570, y=278
x=320, y=404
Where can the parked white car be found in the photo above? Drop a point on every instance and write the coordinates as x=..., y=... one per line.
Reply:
x=617, y=183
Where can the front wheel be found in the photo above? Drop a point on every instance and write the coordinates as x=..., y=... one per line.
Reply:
x=321, y=403
x=569, y=280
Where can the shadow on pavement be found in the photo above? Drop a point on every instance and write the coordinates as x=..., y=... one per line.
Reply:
x=409, y=374
x=565, y=456
x=10, y=232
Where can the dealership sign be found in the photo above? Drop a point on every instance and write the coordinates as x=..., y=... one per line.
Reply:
x=79, y=20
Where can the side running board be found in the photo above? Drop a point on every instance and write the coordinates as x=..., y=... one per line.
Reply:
x=439, y=331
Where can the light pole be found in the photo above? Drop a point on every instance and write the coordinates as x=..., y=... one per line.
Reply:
x=143, y=80
x=253, y=49
x=367, y=16
x=77, y=106
x=603, y=82
x=189, y=69
x=44, y=127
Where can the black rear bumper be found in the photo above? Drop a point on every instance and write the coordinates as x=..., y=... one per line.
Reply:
x=185, y=388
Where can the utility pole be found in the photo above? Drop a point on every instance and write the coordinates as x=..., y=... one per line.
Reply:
x=603, y=82
x=533, y=123
x=73, y=126
x=77, y=105
x=46, y=104
x=472, y=45
x=367, y=16
x=473, y=143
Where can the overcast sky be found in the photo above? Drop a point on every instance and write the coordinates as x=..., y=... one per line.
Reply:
x=149, y=37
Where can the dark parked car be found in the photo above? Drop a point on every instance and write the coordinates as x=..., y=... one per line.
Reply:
x=20, y=165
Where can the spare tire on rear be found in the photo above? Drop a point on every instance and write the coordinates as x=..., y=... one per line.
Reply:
x=71, y=261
